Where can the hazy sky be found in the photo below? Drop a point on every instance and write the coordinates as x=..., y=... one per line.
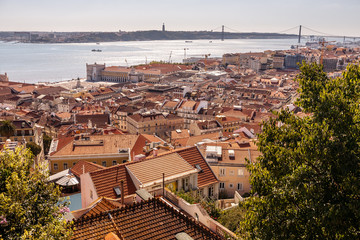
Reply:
x=340, y=17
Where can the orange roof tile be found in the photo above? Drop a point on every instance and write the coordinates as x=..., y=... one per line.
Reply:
x=153, y=169
x=193, y=156
x=82, y=167
x=105, y=180
x=152, y=219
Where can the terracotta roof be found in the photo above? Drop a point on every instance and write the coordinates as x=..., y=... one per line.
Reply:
x=180, y=134
x=171, y=104
x=151, y=117
x=105, y=180
x=152, y=219
x=193, y=156
x=101, y=205
x=112, y=236
x=141, y=142
x=152, y=169
x=100, y=120
x=82, y=167
x=107, y=144
x=188, y=104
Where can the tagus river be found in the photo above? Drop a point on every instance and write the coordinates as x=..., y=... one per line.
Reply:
x=56, y=62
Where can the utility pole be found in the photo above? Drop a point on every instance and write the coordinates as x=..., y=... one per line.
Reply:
x=222, y=33
x=299, y=34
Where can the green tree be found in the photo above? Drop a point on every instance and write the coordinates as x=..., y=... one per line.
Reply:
x=231, y=218
x=306, y=184
x=34, y=148
x=29, y=207
x=47, y=142
x=7, y=128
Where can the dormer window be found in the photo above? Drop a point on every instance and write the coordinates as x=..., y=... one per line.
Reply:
x=117, y=191
x=198, y=167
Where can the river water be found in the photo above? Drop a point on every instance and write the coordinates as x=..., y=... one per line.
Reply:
x=33, y=63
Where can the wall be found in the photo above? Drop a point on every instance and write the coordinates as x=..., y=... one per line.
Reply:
x=87, y=185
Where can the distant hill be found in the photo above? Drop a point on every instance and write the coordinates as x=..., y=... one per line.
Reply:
x=171, y=35
x=84, y=37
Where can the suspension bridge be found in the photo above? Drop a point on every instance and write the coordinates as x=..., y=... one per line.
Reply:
x=300, y=31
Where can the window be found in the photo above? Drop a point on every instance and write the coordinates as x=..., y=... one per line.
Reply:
x=185, y=183
x=31, y=139
x=211, y=191
x=222, y=172
x=239, y=186
x=240, y=172
x=231, y=172
x=117, y=191
x=198, y=167
x=103, y=163
x=95, y=162
x=222, y=185
x=65, y=166
x=231, y=185
x=74, y=163
x=114, y=163
x=56, y=166
x=91, y=194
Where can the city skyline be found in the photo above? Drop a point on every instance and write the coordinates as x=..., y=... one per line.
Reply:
x=331, y=17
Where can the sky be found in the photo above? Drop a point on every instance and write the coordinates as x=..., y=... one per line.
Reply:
x=337, y=17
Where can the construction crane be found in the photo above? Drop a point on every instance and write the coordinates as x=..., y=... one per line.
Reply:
x=185, y=52
x=322, y=43
x=206, y=57
x=170, y=57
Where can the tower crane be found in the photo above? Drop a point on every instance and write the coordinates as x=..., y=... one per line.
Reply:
x=322, y=43
x=170, y=57
x=206, y=57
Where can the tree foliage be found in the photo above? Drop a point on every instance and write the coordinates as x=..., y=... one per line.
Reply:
x=46, y=142
x=306, y=184
x=231, y=218
x=29, y=206
x=34, y=148
x=7, y=128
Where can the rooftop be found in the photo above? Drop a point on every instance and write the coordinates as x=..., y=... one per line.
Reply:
x=152, y=219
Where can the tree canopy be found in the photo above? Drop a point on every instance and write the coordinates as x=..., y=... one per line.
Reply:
x=34, y=148
x=46, y=142
x=306, y=184
x=29, y=206
x=7, y=128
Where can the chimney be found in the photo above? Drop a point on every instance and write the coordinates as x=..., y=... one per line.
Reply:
x=155, y=152
x=122, y=191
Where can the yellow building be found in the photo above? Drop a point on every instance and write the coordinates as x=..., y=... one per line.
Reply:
x=229, y=124
x=23, y=132
x=105, y=150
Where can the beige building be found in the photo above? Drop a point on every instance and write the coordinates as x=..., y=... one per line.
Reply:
x=205, y=127
x=227, y=160
x=105, y=150
x=119, y=74
x=183, y=169
x=154, y=122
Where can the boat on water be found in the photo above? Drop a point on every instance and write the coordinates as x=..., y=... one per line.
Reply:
x=96, y=50
x=188, y=41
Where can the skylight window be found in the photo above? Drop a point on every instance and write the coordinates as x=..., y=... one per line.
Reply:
x=117, y=191
x=198, y=167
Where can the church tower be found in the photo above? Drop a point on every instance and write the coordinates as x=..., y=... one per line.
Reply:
x=163, y=28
